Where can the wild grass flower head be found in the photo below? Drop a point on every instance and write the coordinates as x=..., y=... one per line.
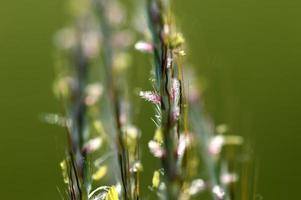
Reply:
x=103, y=151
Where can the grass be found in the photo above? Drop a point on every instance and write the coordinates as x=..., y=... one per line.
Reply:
x=103, y=153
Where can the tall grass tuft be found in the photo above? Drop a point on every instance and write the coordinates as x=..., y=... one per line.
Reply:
x=103, y=159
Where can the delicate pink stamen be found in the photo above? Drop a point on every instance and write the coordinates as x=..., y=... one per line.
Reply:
x=150, y=96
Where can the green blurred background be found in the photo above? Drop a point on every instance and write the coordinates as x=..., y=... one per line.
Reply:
x=248, y=51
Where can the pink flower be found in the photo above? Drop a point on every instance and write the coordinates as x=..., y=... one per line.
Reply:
x=144, y=47
x=228, y=178
x=92, y=145
x=150, y=96
x=156, y=148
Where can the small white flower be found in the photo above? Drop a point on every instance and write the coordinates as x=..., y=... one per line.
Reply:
x=197, y=186
x=94, y=92
x=137, y=166
x=228, y=178
x=218, y=191
x=92, y=145
x=217, y=142
x=183, y=143
x=156, y=148
x=144, y=47
x=215, y=145
x=131, y=131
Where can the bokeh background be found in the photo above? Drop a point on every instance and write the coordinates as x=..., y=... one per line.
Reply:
x=249, y=52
